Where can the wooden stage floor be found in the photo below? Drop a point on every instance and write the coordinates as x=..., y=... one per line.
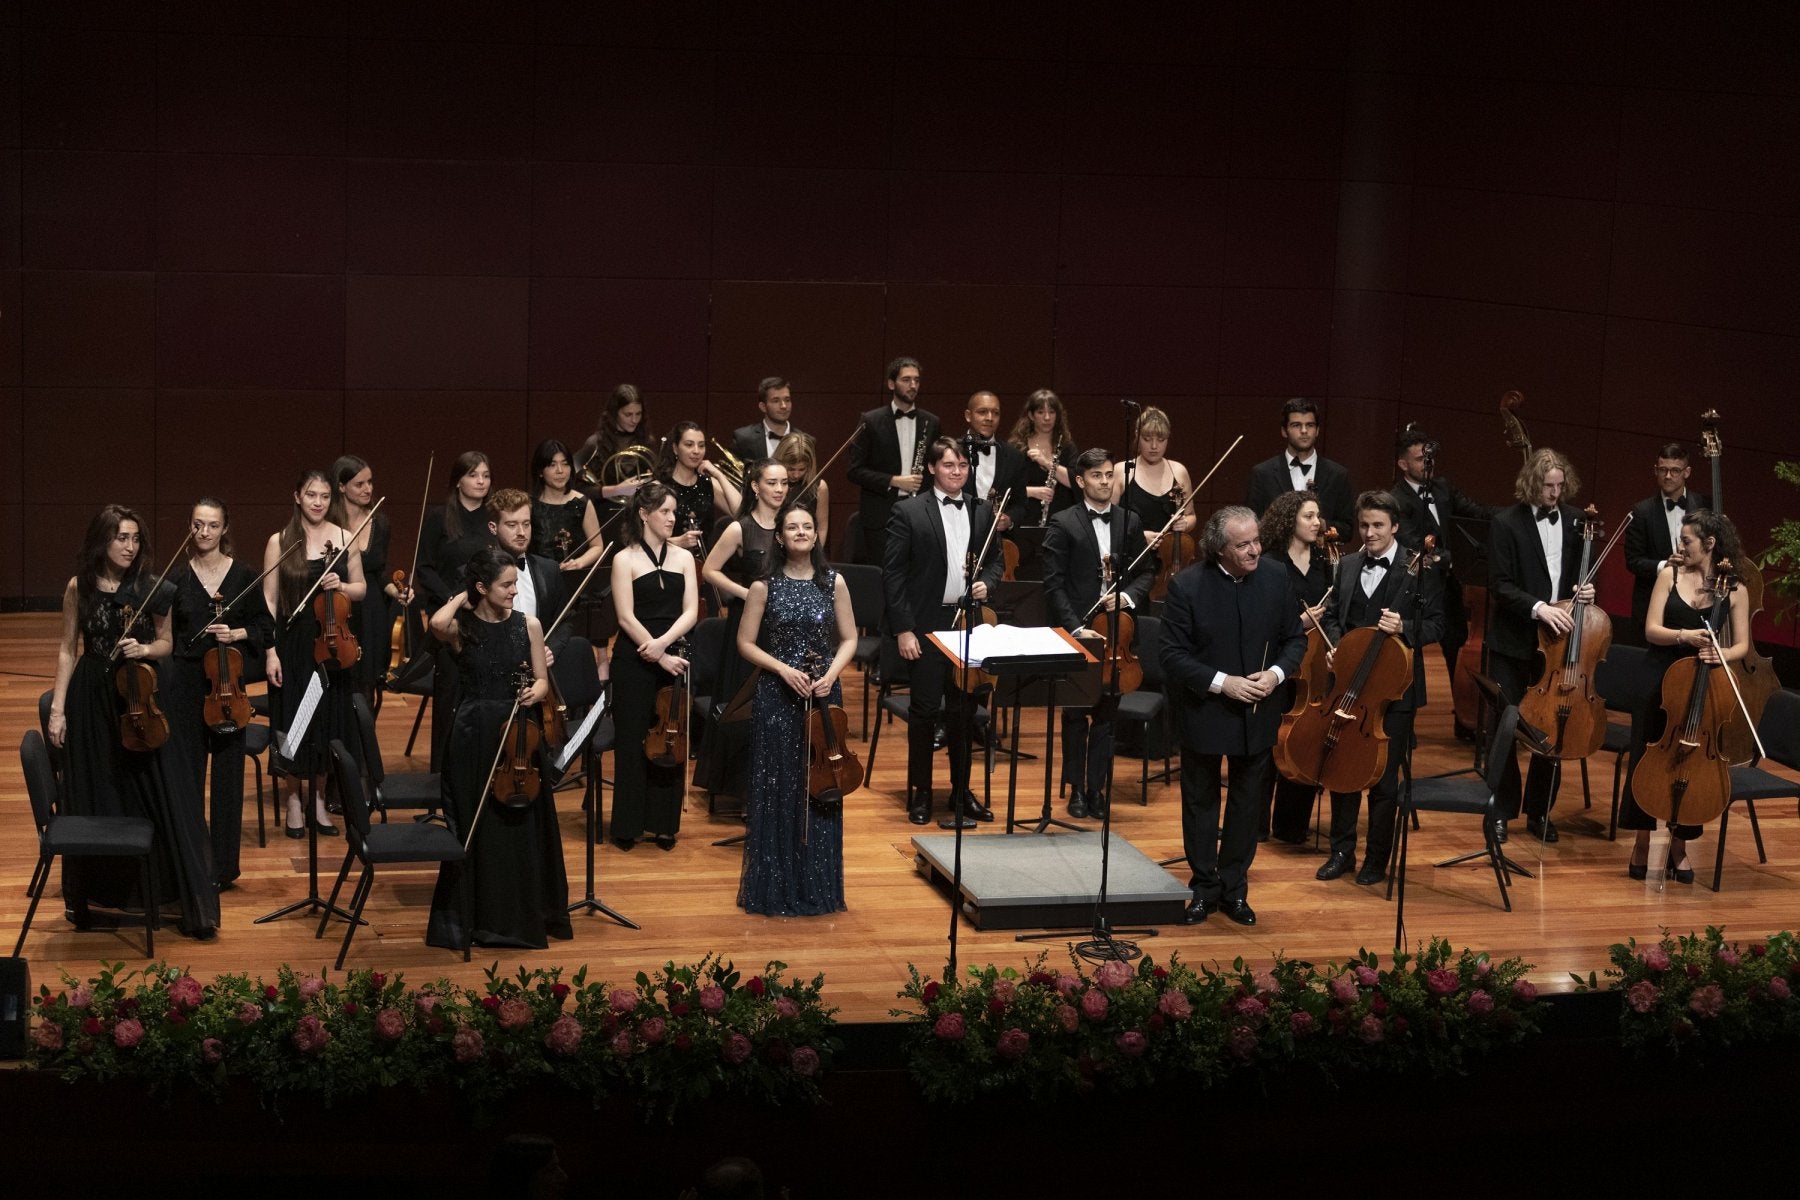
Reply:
x=1562, y=921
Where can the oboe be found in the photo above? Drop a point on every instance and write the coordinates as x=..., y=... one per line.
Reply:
x=918, y=459
x=1050, y=482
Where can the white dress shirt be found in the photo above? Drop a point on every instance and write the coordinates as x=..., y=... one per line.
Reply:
x=956, y=542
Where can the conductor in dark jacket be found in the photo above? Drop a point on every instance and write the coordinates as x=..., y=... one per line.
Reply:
x=1231, y=635
x=929, y=539
x=880, y=458
x=1655, y=527
x=1301, y=468
x=1534, y=561
x=1076, y=542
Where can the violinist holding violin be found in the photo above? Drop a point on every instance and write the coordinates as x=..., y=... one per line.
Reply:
x=311, y=638
x=1374, y=587
x=1294, y=529
x=213, y=645
x=798, y=611
x=1680, y=605
x=512, y=889
x=352, y=500
x=1077, y=545
x=106, y=630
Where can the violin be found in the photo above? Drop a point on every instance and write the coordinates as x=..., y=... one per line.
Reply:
x=1685, y=778
x=143, y=726
x=1009, y=552
x=564, y=541
x=1175, y=551
x=336, y=644
x=832, y=771
x=666, y=745
x=1340, y=745
x=1754, y=673
x=227, y=707
x=1123, y=672
x=554, y=712
x=516, y=779
x=1563, y=702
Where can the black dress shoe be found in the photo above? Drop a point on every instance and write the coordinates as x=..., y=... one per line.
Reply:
x=625, y=843
x=1500, y=829
x=918, y=806
x=1372, y=872
x=1238, y=911
x=1078, y=804
x=1335, y=866
x=972, y=807
x=294, y=831
x=1637, y=870
x=1197, y=911
x=665, y=841
x=1097, y=805
x=1542, y=828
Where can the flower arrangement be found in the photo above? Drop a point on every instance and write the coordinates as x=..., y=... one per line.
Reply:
x=1051, y=1033
x=686, y=1034
x=1700, y=993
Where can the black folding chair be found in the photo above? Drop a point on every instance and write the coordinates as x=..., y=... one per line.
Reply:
x=868, y=606
x=1779, y=730
x=408, y=789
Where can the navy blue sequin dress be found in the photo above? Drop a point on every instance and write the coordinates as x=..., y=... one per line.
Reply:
x=793, y=851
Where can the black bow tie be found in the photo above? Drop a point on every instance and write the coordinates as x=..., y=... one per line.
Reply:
x=1095, y=514
x=775, y=437
x=1671, y=505
x=521, y=562
x=1548, y=514
x=947, y=502
x=904, y=416
x=1425, y=494
x=1375, y=564
x=1296, y=464
x=981, y=447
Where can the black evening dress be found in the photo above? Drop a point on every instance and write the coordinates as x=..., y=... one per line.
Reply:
x=723, y=763
x=1029, y=512
x=693, y=509
x=548, y=520
x=334, y=717
x=102, y=778
x=646, y=797
x=373, y=615
x=793, y=848
x=512, y=889
x=1647, y=724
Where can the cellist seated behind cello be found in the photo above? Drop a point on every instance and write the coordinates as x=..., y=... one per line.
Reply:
x=1375, y=590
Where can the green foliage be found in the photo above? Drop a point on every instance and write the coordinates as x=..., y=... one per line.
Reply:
x=1783, y=554
x=1699, y=993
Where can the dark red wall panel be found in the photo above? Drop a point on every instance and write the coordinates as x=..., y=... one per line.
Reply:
x=250, y=331
x=590, y=334
x=419, y=99
x=250, y=212
x=435, y=332
x=438, y=218
x=250, y=95
x=1145, y=230
x=88, y=328
x=87, y=91
x=974, y=227
x=623, y=104
x=637, y=220
x=86, y=210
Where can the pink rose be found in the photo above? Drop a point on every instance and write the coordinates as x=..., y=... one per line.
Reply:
x=1250, y=1008
x=1481, y=1002
x=81, y=997
x=1778, y=989
x=1131, y=1043
x=1113, y=975
x=736, y=1049
x=1708, y=1001
x=311, y=986
x=310, y=1035
x=1067, y=1019
x=128, y=1033
x=805, y=1061
x=1301, y=1023
x=1365, y=976
x=1013, y=1044
x=212, y=1051
x=1483, y=967
x=47, y=1035
x=756, y=986
x=1656, y=958
x=466, y=1045
x=564, y=1037
x=1728, y=956
x=1005, y=991
x=185, y=993
x=514, y=1013
x=1642, y=996
x=1524, y=991
x=787, y=1006
x=1175, y=1006
x=622, y=1000
x=390, y=1024
x=1241, y=1041
x=1266, y=982
x=1067, y=984
x=653, y=1030
x=249, y=1013
x=1370, y=1030
x=1094, y=1004
x=712, y=999
x=1442, y=982
x=622, y=1044
x=425, y=1002
x=1343, y=989
x=950, y=1027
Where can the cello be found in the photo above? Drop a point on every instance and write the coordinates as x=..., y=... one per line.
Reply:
x=227, y=707
x=1564, y=702
x=1754, y=673
x=832, y=771
x=1685, y=778
x=1312, y=682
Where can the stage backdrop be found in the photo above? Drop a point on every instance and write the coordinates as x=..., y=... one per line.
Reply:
x=240, y=239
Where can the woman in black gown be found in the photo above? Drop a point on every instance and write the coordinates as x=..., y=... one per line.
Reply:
x=701, y=490
x=1042, y=432
x=210, y=579
x=1294, y=524
x=796, y=619
x=512, y=889
x=290, y=660
x=1154, y=478
x=100, y=776
x=564, y=525
x=623, y=424
x=1675, y=626
x=352, y=496
x=657, y=597
x=448, y=537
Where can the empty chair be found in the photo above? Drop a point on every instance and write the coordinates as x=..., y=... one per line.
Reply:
x=868, y=605
x=1148, y=703
x=408, y=789
x=1779, y=730
x=1627, y=684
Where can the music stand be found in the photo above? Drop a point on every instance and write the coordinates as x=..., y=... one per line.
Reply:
x=311, y=902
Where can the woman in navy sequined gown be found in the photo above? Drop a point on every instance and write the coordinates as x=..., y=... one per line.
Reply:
x=799, y=614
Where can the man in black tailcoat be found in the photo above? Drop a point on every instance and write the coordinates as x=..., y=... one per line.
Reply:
x=880, y=458
x=1075, y=542
x=1300, y=468
x=775, y=398
x=1231, y=635
x=1655, y=529
x=542, y=588
x=928, y=540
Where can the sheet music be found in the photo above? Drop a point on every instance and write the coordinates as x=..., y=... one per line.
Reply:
x=580, y=738
x=295, y=737
x=1006, y=641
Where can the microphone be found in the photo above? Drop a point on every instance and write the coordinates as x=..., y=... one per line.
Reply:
x=1133, y=405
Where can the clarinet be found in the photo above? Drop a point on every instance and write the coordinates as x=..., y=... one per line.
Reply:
x=1050, y=482
x=918, y=459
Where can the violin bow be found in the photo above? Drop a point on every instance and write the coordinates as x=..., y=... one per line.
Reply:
x=1306, y=612
x=586, y=578
x=424, y=504
x=151, y=596
x=988, y=542
x=1184, y=505
x=253, y=585
x=820, y=473
x=335, y=559
x=1732, y=679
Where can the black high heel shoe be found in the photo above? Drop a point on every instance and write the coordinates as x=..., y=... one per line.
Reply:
x=1680, y=874
x=1638, y=870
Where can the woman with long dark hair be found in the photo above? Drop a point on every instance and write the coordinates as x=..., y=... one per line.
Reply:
x=565, y=527
x=452, y=532
x=102, y=633
x=1042, y=432
x=352, y=497
x=290, y=660
x=657, y=595
x=623, y=423
x=798, y=628
x=700, y=489
x=512, y=889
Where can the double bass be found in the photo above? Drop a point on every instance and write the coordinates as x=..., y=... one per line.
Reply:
x=1564, y=702
x=1465, y=697
x=1754, y=673
x=1685, y=778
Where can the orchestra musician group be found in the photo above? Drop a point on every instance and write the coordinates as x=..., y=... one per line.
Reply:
x=1293, y=670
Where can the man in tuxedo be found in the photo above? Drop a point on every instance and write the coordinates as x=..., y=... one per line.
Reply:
x=1655, y=529
x=1231, y=635
x=1534, y=561
x=1428, y=504
x=995, y=465
x=1078, y=540
x=880, y=458
x=1300, y=467
x=928, y=540
x=542, y=592
x=1375, y=589
x=776, y=400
